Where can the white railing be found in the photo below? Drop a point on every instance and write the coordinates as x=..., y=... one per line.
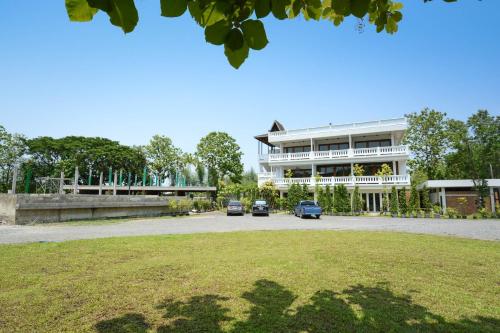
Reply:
x=347, y=180
x=266, y=175
x=323, y=129
x=337, y=154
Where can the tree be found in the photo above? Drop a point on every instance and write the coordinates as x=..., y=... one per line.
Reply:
x=220, y=153
x=249, y=177
x=294, y=196
x=12, y=150
x=414, y=200
x=426, y=201
x=164, y=159
x=358, y=170
x=384, y=171
x=232, y=23
x=403, y=207
x=341, y=201
x=269, y=193
x=394, y=201
x=48, y=156
x=428, y=140
x=356, y=200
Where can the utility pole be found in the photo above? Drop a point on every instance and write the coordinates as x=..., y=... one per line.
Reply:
x=61, y=183
x=100, y=183
x=75, y=185
x=14, y=180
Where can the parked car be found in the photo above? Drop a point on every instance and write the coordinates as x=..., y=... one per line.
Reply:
x=260, y=207
x=307, y=208
x=235, y=208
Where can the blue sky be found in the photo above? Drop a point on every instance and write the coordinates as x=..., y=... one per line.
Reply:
x=60, y=78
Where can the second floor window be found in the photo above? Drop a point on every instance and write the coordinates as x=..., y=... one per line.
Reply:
x=372, y=144
x=299, y=149
x=333, y=146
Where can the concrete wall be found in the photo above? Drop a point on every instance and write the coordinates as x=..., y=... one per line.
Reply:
x=39, y=208
x=7, y=208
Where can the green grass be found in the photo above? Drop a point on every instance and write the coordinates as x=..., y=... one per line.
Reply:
x=293, y=281
x=110, y=220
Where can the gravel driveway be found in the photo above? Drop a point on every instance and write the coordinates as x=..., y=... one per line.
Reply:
x=216, y=222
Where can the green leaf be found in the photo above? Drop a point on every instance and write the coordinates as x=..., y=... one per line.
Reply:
x=255, y=34
x=262, y=8
x=236, y=58
x=234, y=39
x=79, y=10
x=341, y=7
x=173, y=8
x=217, y=33
x=278, y=7
x=359, y=8
x=397, y=16
x=122, y=13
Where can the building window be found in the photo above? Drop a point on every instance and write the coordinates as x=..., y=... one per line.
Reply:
x=334, y=146
x=372, y=144
x=301, y=173
x=372, y=168
x=339, y=170
x=298, y=149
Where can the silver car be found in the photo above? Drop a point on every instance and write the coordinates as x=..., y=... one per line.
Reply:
x=235, y=208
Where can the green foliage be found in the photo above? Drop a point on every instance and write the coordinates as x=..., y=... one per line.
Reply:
x=428, y=139
x=12, y=149
x=451, y=212
x=288, y=173
x=269, y=193
x=328, y=199
x=49, y=156
x=394, y=201
x=356, y=200
x=358, y=170
x=305, y=192
x=294, y=196
x=403, y=206
x=247, y=204
x=163, y=157
x=230, y=23
x=220, y=153
x=426, y=201
x=414, y=204
x=341, y=199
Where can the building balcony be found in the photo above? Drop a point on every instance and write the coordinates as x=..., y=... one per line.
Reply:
x=388, y=125
x=350, y=181
x=345, y=154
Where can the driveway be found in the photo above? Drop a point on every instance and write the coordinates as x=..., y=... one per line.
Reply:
x=216, y=222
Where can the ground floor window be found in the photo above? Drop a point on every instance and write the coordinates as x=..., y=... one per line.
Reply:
x=301, y=173
x=372, y=168
x=338, y=170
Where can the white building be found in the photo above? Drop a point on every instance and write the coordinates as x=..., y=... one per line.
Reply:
x=331, y=151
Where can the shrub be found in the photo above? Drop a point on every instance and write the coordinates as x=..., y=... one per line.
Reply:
x=281, y=203
x=426, y=202
x=328, y=199
x=247, y=204
x=403, y=207
x=436, y=209
x=185, y=205
x=394, y=201
x=172, y=205
x=357, y=201
x=414, y=200
x=341, y=203
x=451, y=212
x=484, y=213
x=294, y=196
x=269, y=193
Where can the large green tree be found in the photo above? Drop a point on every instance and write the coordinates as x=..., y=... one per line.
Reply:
x=164, y=159
x=220, y=153
x=12, y=149
x=237, y=24
x=428, y=140
x=48, y=156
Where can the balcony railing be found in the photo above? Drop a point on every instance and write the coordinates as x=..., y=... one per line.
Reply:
x=337, y=154
x=333, y=128
x=347, y=180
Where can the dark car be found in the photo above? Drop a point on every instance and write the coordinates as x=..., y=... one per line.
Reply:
x=307, y=208
x=235, y=208
x=260, y=207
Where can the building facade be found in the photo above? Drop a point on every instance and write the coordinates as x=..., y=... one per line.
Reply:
x=326, y=156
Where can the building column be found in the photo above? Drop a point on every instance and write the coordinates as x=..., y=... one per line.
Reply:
x=394, y=171
x=392, y=139
x=374, y=203
x=492, y=201
x=442, y=195
x=367, y=196
x=381, y=202
x=281, y=194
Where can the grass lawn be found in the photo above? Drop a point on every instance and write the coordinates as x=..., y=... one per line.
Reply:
x=291, y=281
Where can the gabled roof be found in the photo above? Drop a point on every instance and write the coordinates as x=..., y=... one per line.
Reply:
x=277, y=126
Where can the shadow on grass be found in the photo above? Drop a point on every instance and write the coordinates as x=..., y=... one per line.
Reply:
x=356, y=309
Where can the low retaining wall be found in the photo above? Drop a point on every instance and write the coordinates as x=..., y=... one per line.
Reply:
x=39, y=208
